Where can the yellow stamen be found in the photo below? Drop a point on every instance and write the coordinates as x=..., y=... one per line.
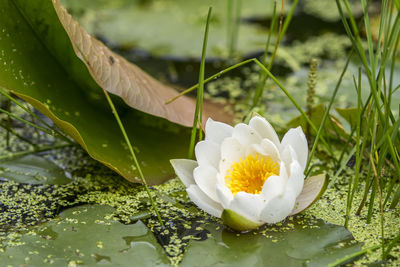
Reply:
x=249, y=174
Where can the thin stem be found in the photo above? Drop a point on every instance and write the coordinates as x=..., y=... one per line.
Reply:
x=391, y=245
x=132, y=152
x=295, y=104
x=11, y=130
x=8, y=108
x=59, y=134
x=326, y=114
x=217, y=75
x=47, y=131
x=198, y=114
x=352, y=256
x=281, y=32
x=36, y=150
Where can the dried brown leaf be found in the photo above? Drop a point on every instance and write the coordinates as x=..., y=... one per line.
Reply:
x=120, y=77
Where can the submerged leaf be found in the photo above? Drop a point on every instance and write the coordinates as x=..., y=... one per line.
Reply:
x=32, y=169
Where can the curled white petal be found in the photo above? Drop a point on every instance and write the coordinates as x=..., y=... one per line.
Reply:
x=205, y=177
x=207, y=153
x=288, y=155
x=217, y=131
x=270, y=149
x=264, y=129
x=275, y=185
x=278, y=208
x=203, y=201
x=246, y=135
x=297, y=140
x=184, y=170
x=296, y=178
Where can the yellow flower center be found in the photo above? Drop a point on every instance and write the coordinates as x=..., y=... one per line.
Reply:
x=249, y=174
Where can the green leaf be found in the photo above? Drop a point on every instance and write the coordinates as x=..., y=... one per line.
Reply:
x=349, y=114
x=333, y=128
x=86, y=236
x=33, y=170
x=299, y=246
x=40, y=66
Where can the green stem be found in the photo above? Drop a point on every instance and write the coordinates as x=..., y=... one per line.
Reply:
x=37, y=150
x=198, y=114
x=10, y=130
x=352, y=256
x=296, y=105
x=45, y=130
x=281, y=32
x=326, y=114
x=128, y=142
x=59, y=134
x=217, y=75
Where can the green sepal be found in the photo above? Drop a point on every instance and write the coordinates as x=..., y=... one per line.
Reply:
x=237, y=221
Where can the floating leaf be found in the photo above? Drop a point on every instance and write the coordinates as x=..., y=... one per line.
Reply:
x=32, y=169
x=85, y=236
x=313, y=189
x=298, y=245
x=40, y=66
x=181, y=36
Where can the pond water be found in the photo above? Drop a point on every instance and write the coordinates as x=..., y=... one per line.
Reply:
x=60, y=207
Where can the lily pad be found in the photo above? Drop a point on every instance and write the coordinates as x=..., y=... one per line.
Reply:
x=86, y=236
x=39, y=65
x=33, y=170
x=298, y=245
x=135, y=24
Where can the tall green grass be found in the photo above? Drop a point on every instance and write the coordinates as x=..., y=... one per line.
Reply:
x=377, y=137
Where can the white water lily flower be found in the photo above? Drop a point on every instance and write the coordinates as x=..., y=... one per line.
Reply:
x=244, y=174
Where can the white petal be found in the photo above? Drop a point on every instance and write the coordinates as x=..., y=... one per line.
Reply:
x=264, y=129
x=217, y=131
x=296, y=179
x=270, y=149
x=246, y=135
x=255, y=149
x=266, y=148
x=224, y=195
x=184, y=170
x=231, y=151
x=248, y=205
x=204, y=202
x=298, y=141
x=288, y=155
x=278, y=208
x=206, y=178
x=208, y=153
x=275, y=185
